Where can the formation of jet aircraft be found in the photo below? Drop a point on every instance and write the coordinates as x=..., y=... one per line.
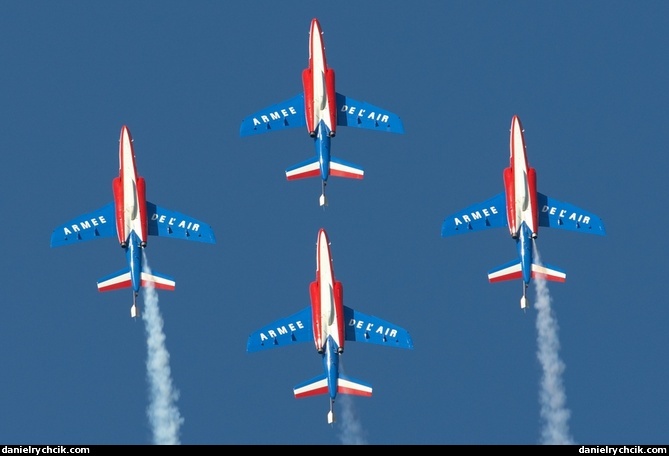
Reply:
x=327, y=322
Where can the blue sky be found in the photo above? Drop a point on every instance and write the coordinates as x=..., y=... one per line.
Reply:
x=588, y=81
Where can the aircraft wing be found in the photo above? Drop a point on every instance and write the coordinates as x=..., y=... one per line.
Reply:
x=367, y=328
x=163, y=222
x=353, y=113
x=93, y=225
x=556, y=214
x=287, y=114
x=283, y=332
x=487, y=214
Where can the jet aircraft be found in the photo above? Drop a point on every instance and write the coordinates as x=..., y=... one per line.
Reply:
x=328, y=323
x=321, y=109
x=522, y=209
x=131, y=218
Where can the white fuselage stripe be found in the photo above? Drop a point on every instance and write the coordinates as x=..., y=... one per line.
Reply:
x=326, y=279
x=131, y=218
x=320, y=101
x=521, y=184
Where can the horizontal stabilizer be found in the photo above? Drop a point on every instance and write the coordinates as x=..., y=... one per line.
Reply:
x=513, y=271
x=314, y=387
x=119, y=279
x=341, y=168
x=319, y=385
x=548, y=272
x=348, y=385
x=303, y=170
x=508, y=271
x=159, y=281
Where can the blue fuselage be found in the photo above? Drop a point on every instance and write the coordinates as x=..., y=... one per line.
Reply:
x=331, y=366
x=133, y=253
x=322, y=145
x=524, y=244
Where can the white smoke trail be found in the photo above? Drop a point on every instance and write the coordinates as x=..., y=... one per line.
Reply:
x=350, y=432
x=162, y=412
x=552, y=395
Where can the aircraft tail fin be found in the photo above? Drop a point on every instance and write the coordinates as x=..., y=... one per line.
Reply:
x=508, y=271
x=548, y=272
x=348, y=385
x=345, y=385
x=121, y=279
x=312, y=168
x=342, y=168
x=513, y=271
x=303, y=170
x=314, y=387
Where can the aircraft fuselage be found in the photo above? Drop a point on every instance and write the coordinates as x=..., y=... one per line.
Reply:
x=320, y=101
x=129, y=194
x=130, y=200
x=520, y=184
x=326, y=300
x=331, y=366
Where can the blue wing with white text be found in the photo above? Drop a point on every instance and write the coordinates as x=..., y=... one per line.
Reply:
x=557, y=214
x=166, y=223
x=285, y=331
x=353, y=113
x=93, y=225
x=367, y=328
x=487, y=214
x=287, y=114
